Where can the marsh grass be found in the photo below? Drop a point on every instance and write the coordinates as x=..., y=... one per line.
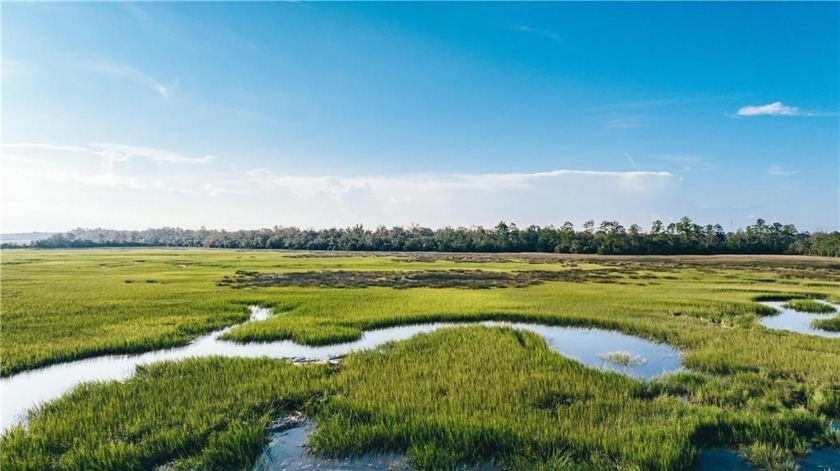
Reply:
x=550, y=406
x=456, y=396
x=769, y=457
x=210, y=413
x=622, y=358
x=63, y=305
x=463, y=395
x=810, y=306
x=831, y=325
x=455, y=278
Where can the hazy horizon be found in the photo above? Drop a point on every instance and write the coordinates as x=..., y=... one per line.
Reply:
x=253, y=115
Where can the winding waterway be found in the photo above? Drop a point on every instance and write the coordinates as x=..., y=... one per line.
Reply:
x=796, y=321
x=593, y=347
x=598, y=348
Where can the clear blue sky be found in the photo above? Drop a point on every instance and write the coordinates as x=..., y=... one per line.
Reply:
x=246, y=115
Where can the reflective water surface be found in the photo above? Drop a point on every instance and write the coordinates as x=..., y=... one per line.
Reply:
x=796, y=321
x=590, y=346
x=594, y=347
x=287, y=451
x=723, y=459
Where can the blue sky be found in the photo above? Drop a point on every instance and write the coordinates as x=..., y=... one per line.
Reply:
x=246, y=115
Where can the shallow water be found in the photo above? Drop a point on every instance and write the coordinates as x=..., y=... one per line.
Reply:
x=724, y=459
x=286, y=451
x=23, y=391
x=796, y=321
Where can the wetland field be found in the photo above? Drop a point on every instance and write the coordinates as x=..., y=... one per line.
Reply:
x=116, y=359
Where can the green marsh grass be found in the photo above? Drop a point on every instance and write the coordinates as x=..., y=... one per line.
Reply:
x=456, y=396
x=622, y=358
x=474, y=394
x=209, y=413
x=830, y=325
x=769, y=457
x=810, y=306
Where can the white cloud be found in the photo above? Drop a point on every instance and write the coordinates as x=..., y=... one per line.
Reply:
x=111, y=153
x=133, y=74
x=455, y=199
x=429, y=184
x=53, y=175
x=216, y=190
x=122, y=152
x=44, y=189
x=627, y=121
x=772, y=109
x=688, y=163
x=11, y=68
x=777, y=171
x=542, y=32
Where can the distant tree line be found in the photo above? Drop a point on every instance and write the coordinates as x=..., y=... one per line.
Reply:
x=608, y=238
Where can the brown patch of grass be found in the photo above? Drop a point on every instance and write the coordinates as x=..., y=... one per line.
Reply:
x=467, y=279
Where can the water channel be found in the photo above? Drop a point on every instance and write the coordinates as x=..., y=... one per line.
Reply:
x=604, y=349
x=594, y=347
x=796, y=321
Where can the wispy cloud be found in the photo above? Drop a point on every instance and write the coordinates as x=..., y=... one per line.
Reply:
x=11, y=68
x=36, y=173
x=688, y=163
x=50, y=162
x=114, y=152
x=773, y=109
x=133, y=74
x=658, y=102
x=216, y=190
x=103, y=191
x=308, y=186
x=122, y=152
x=541, y=32
x=457, y=199
x=630, y=159
x=137, y=12
x=777, y=171
x=627, y=121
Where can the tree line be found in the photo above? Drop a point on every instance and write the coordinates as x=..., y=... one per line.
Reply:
x=608, y=238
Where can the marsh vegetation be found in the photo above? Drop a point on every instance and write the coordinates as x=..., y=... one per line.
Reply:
x=810, y=305
x=800, y=320
x=469, y=395
x=623, y=358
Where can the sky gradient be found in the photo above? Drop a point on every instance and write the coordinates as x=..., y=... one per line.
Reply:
x=248, y=115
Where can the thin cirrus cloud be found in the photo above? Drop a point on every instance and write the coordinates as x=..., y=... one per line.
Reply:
x=133, y=74
x=772, y=109
x=437, y=200
x=777, y=171
x=112, y=152
x=11, y=68
x=126, y=152
x=43, y=186
x=627, y=121
x=55, y=163
x=541, y=32
x=336, y=186
x=688, y=163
